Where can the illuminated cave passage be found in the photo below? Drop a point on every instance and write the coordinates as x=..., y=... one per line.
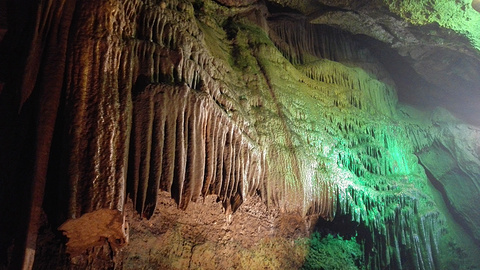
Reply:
x=247, y=134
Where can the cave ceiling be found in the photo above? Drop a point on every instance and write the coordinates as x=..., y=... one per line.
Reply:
x=430, y=49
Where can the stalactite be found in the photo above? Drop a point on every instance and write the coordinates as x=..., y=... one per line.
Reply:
x=202, y=152
x=357, y=86
x=180, y=145
x=156, y=159
x=199, y=141
x=168, y=152
x=189, y=136
x=297, y=39
x=142, y=143
x=211, y=153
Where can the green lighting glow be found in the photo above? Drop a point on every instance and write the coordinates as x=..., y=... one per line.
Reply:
x=458, y=16
x=337, y=141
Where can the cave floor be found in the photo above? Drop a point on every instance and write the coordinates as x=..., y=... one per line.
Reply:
x=205, y=237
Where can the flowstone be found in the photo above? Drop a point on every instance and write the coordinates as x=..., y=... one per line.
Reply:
x=277, y=112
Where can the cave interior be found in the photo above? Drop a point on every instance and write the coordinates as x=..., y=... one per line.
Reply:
x=249, y=134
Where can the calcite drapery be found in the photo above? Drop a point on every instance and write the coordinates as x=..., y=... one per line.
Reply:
x=183, y=143
x=203, y=101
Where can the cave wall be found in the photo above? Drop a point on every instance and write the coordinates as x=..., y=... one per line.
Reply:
x=119, y=100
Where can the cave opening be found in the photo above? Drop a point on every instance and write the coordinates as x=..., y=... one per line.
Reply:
x=352, y=241
x=344, y=226
x=411, y=87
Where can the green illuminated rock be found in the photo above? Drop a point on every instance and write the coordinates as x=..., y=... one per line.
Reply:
x=325, y=109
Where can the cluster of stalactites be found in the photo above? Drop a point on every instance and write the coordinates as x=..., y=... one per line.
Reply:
x=367, y=148
x=385, y=202
x=170, y=50
x=353, y=87
x=183, y=143
x=138, y=39
x=404, y=233
x=395, y=224
x=298, y=40
x=324, y=202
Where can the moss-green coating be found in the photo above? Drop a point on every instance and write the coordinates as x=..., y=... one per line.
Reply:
x=333, y=253
x=335, y=138
x=458, y=16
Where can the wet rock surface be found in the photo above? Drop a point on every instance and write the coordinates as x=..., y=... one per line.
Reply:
x=270, y=113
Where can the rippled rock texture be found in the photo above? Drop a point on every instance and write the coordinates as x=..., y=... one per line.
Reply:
x=299, y=107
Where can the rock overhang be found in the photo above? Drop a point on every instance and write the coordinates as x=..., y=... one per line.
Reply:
x=436, y=41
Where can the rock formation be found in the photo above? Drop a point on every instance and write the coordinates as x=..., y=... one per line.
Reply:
x=332, y=114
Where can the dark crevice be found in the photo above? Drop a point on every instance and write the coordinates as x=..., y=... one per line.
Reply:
x=343, y=226
x=411, y=87
x=55, y=200
x=274, y=8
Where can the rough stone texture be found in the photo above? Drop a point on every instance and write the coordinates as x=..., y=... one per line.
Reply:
x=292, y=104
x=420, y=33
x=453, y=159
x=93, y=228
x=204, y=236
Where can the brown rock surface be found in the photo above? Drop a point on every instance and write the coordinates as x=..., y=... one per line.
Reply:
x=93, y=228
x=204, y=236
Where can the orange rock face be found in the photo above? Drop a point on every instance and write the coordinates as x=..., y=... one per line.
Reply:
x=93, y=228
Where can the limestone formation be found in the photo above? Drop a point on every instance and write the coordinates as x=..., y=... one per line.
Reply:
x=313, y=108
